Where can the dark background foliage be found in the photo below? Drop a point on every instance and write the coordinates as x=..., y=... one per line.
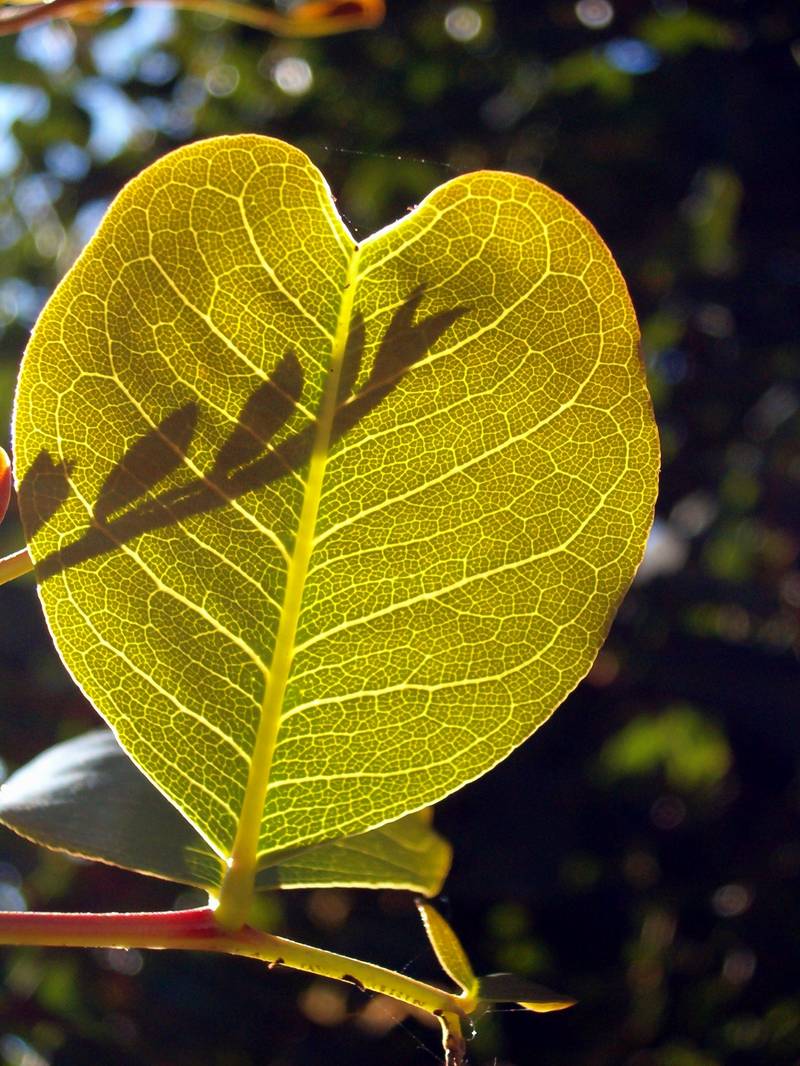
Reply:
x=642, y=850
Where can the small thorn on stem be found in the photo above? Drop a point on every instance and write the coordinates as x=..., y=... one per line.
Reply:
x=275, y=964
x=354, y=981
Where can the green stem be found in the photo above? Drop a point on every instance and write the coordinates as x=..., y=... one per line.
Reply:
x=455, y=1047
x=15, y=565
x=198, y=930
x=245, y=14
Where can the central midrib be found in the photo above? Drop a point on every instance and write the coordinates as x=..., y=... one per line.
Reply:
x=238, y=884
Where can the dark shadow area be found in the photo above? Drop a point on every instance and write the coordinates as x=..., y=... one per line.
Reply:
x=51, y=481
x=246, y=460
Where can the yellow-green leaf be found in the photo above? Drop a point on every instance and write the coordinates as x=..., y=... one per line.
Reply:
x=447, y=948
x=406, y=854
x=416, y=476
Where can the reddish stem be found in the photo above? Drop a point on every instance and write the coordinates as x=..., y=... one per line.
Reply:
x=198, y=930
x=158, y=929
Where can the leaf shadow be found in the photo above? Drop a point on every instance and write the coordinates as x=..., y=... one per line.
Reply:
x=246, y=459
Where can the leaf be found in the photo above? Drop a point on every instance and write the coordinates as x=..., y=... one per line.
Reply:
x=508, y=988
x=406, y=854
x=452, y=491
x=85, y=796
x=447, y=948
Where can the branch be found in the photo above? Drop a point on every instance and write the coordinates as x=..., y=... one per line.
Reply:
x=198, y=930
x=309, y=20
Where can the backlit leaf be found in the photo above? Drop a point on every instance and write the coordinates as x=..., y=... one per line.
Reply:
x=447, y=948
x=416, y=478
x=405, y=854
x=87, y=798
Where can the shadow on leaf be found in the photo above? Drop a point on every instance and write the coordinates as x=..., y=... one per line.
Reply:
x=245, y=461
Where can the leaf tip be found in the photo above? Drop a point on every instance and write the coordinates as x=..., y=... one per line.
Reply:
x=545, y=1006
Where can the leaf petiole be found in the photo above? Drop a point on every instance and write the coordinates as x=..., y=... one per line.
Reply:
x=15, y=565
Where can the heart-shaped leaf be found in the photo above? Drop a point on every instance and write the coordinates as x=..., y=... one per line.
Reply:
x=85, y=796
x=416, y=476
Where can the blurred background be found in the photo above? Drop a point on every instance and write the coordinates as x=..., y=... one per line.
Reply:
x=642, y=851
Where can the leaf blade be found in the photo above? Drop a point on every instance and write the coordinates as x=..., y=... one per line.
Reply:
x=407, y=854
x=366, y=594
x=85, y=797
x=197, y=668
x=508, y=988
x=486, y=486
x=447, y=948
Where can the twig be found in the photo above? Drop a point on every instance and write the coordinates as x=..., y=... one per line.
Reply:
x=198, y=930
x=309, y=20
x=15, y=565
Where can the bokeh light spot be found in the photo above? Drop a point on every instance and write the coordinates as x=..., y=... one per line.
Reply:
x=158, y=68
x=51, y=46
x=18, y=1052
x=222, y=80
x=324, y=1004
x=731, y=900
x=738, y=967
x=631, y=56
x=293, y=76
x=67, y=161
x=668, y=812
x=463, y=23
x=594, y=14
